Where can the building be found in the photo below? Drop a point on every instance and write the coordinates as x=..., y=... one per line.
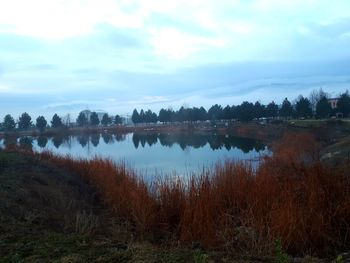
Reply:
x=87, y=113
x=333, y=102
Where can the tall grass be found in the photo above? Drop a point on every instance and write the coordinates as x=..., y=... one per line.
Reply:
x=291, y=197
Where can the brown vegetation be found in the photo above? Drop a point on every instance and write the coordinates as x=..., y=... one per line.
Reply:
x=291, y=197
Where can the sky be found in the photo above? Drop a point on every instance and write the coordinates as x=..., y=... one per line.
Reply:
x=65, y=56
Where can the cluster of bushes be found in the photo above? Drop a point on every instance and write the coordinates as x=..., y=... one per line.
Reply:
x=291, y=197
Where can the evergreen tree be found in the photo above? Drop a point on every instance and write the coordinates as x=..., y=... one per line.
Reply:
x=24, y=122
x=135, y=117
x=215, y=112
x=56, y=121
x=303, y=107
x=106, y=120
x=163, y=116
x=323, y=108
x=9, y=123
x=286, y=110
x=118, y=120
x=343, y=104
x=259, y=110
x=246, y=111
x=94, y=120
x=41, y=123
x=272, y=110
x=82, y=120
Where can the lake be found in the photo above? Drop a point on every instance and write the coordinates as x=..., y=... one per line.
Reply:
x=151, y=154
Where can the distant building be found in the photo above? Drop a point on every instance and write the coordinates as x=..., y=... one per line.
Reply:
x=333, y=102
x=87, y=113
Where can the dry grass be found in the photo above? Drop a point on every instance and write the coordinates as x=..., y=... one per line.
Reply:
x=291, y=197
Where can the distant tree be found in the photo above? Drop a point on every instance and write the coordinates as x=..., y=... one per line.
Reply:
x=286, y=110
x=94, y=120
x=142, y=118
x=9, y=123
x=271, y=110
x=215, y=112
x=118, y=120
x=163, y=116
x=246, y=111
x=56, y=121
x=25, y=121
x=315, y=96
x=343, y=104
x=106, y=120
x=259, y=110
x=323, y=108
x=227, y=113
x=148, y=116
x=82, y=120
x=41, y=123
x=135, y=117
x=203, y=115
x=154, y=117
x=303, y=107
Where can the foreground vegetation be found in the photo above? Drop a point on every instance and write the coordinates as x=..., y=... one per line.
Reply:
x=293, y=203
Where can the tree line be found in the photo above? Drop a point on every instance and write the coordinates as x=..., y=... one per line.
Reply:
x=25, y=122
x=316, y=106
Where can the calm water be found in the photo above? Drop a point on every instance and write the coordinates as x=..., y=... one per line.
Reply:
x=158, y=154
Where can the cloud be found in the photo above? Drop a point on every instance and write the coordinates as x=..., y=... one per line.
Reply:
x=117, y=54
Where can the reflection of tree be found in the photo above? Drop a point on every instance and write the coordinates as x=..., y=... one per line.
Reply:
x=57, y=141
x=42, y=141
x=26, y=143
x=119, y=137
x=95, y=139
x=152, y=139
x=244, y=144
x=10, y=141
x=135, y=140
x=142, y=139
x=83, y=140
x=198, y=141
x=215, y=142
x=166, y=140
x=107, y=138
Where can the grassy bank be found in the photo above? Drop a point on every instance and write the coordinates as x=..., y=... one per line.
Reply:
x=292, y=199
x=58, y=208
x=51, y=214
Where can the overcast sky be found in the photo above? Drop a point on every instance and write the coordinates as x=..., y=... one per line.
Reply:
x=65, y=56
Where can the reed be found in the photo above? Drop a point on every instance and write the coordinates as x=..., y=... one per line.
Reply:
x=291, y=197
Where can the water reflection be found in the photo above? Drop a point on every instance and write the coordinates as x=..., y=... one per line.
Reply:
x=26, y=143
x=83, y=140
x=196, y=141
x=107, y=138
x=42, y=141
x=151, y=154
x=95, y=139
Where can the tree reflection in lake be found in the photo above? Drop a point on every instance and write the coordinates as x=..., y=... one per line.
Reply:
x=196, y=141
x=95, y=139
x=83, y=140
x=58, y=140
x=119, y=137
x=151, y=153
x=26, y=143
x=42, y=141
x=107, y=138
x=9, y=141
